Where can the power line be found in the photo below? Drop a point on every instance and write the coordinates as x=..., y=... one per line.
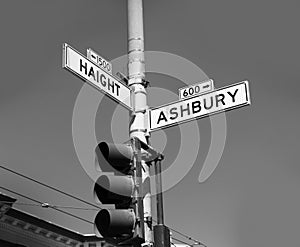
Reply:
x=46, y=205
x=57, y=209
x=68, y=207
x=50, y=187
x=19, y=203
x=88, y=203
x=196, y=242
x=183, y=242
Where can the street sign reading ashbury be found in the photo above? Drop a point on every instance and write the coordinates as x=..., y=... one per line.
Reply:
x=95, y=76
x=196, y=89
x=223, y=99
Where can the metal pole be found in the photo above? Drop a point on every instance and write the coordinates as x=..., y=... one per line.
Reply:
x=159, y=196
x=161, y=232
x=138, y=188
x=136, y=75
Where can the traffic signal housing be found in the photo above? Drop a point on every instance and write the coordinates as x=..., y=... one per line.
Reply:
x=115, y=186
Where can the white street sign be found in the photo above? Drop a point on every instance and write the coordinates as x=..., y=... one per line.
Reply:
x=223, y=99
x=95, y=76
x=96, y=58
x=196, y=89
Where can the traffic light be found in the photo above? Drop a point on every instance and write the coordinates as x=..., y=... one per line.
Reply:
x=115, y=186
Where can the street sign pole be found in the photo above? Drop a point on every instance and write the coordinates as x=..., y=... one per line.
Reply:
x=138, y=123
x=196, y=101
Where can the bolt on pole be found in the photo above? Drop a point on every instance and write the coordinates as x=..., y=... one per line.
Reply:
x=136, y=76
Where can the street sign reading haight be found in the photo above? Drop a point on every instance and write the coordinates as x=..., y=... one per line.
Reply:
x=96, y=76
x=223, y=99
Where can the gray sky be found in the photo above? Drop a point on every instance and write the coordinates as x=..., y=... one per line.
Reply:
x=253, y=196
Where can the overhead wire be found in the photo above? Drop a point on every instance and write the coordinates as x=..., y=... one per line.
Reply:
x=181, y=241
x=196, y=242
x=55, y=208
x=46, y=205
x=50, y=187
x=88, y=203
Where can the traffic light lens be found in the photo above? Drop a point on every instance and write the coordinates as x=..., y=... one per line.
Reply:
x=112, y=223
x=114, y=157
x=102, y=189
x=104, y=148
x=102, y=222
x=111, y=189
